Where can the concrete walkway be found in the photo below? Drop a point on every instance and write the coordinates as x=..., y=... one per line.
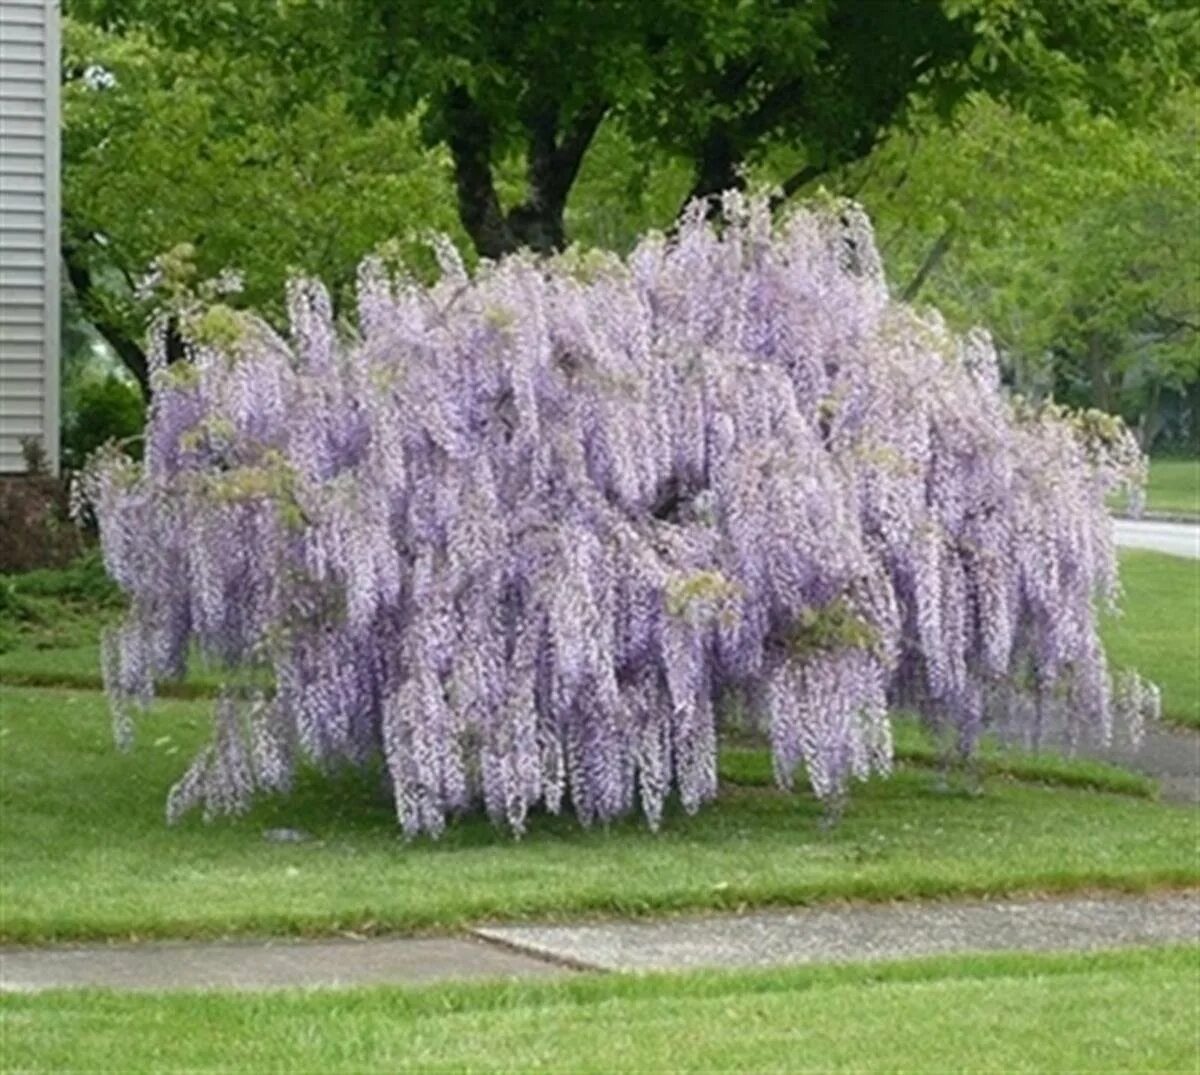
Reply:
x=1177, y=539
x=266, y=965
x=889, y=931
x=817, y=935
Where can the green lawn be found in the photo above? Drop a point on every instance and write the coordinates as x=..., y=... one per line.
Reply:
x=1130, y=1011
x=78, y=667
x=1173, y=487
x=84, y=851
x=1159, y=632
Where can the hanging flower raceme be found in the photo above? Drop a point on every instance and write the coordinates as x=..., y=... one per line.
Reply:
x=527, y=533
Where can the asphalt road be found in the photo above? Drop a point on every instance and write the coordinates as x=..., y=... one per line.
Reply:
x=1178, y=539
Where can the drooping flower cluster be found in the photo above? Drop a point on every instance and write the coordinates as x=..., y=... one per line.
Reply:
x=526, y=534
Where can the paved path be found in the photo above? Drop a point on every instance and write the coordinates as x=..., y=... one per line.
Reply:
x=1178, y=539
x=832, y=934
x=266, y=965
x=824, y=935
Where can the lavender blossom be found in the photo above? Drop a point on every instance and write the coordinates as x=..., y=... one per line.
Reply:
x=523, y=533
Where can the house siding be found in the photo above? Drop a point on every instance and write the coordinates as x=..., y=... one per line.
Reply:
x=29, y=228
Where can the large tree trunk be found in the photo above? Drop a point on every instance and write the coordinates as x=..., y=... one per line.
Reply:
x=131, y=354
x=1150, y=420
x=554, y=159
x=717, y=170
x=478, y=204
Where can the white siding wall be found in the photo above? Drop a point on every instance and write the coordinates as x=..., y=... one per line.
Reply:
x=29, y=222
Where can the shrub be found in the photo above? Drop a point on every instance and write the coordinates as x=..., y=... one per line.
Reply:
x=101, y=409
x=55, y=607
x=523, y=533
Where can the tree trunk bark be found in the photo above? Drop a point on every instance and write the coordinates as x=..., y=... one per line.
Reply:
x=554, y=161
x=932, y=259
x=132, y=356
x=1098, y=373
x=478, y=204
x=1150, y=421
x=718, y=170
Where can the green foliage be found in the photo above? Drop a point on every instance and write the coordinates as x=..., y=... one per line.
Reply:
x=1030, y=162
x=625, y=189
x=1076, y=246
x=715, y=83
x=55, y=607
x=836, y=626
x=700, y=596
x=98, y=409
x=196, y=147
x=84, y=581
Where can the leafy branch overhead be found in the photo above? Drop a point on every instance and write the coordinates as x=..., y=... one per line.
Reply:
x=715, y=83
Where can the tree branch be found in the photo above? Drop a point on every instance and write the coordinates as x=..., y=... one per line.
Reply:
x=470, y=141
x=932, y=259
x=800, y=179
x=127, y=350
x=554, y=164
x=568, y=157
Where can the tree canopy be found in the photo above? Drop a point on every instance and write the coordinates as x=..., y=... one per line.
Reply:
x=1029, y=164
x=169, y=146
x=713, y=82
x=1078, y=247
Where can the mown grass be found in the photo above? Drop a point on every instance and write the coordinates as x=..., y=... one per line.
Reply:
x=1158, y=632
x=1117, y=1011
x=84, y=851
x=749, y=766
x=1174, y=486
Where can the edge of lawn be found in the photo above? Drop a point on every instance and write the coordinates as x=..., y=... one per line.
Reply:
x=741, y=767
x=269, y=928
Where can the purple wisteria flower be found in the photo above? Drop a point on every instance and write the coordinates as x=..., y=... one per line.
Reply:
x=528, y=532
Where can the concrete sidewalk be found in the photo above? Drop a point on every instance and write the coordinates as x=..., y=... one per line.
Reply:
x=816, y=935
x=266, y=964
x=851, y=934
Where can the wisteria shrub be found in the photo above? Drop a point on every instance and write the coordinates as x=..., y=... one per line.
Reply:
x=527, y=534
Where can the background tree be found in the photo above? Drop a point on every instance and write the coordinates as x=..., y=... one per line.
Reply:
x=1016, y=157
x=1078, y=247
x=166, y=146
x=714, y=83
